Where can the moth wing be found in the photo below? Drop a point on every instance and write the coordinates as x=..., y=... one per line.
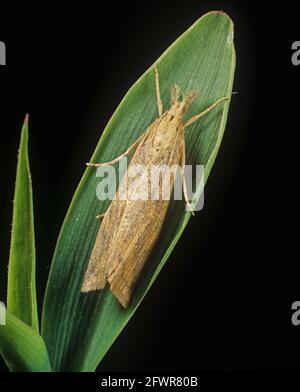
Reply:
x=97, y=270
x=138, y=245
x=96, y=275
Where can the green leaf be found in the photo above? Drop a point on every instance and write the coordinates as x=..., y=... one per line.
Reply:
x=22, y=348
x=79, y=328
x=21, y=292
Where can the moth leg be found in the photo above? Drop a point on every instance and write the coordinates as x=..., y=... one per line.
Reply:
x=100, y=216
x=207, y=110
x=134, y=144
x=185, y=193
x=158, y=97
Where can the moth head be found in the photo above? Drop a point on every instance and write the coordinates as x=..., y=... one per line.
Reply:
x=181, y=104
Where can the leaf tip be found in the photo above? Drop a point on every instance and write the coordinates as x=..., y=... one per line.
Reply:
x=223, y=13
x=26, y=119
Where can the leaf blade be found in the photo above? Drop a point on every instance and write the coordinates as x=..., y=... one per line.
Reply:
x=22, y=348
x=21, y=290
x=81, y=328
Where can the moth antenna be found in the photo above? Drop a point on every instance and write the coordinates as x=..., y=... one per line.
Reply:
x=175, y=93
x=188, y=99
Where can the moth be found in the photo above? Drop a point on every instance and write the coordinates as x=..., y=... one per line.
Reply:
x=130, y=228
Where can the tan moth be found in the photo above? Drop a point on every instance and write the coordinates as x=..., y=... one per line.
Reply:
x=130, y=227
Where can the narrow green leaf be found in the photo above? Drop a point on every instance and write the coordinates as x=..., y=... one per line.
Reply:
x=22, y=348
x=80, y=328
x=21, y=292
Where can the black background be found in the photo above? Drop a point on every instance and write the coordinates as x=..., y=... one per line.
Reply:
x=223, y=301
